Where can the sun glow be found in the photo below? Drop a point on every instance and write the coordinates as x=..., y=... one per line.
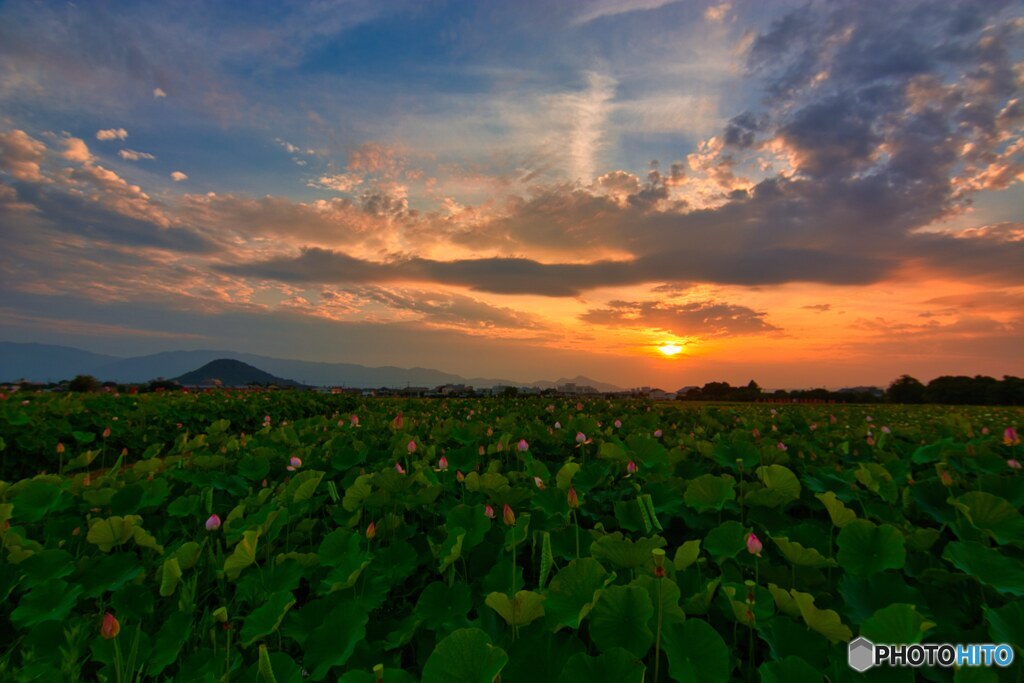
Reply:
x=670, y=349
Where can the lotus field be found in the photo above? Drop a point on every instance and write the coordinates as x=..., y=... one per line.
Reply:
x=289, y=536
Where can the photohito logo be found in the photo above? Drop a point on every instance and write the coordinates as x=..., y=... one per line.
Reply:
x=863, y=654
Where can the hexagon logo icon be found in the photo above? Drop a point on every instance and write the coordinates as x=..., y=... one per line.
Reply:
x=861, y=656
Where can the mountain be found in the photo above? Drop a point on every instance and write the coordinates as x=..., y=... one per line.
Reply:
x=232, y=373
x=40, y=362
x=48, y=363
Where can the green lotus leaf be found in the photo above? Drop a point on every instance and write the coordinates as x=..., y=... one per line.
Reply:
x=624, y=553
x=52, y=601
x=621, y=618
x=243, y=555
x=1006, y=624
x=696, y=652
x=780, y=487
x=173, y=635
x=994, y=515
x=686, y=554
x=335, y=639
x=573, y=591
x=837, y=511
x=35, y=500
x=617, y=665
x=824, y=621
x=465, y=656
x=899, y=624
x=726, y=540
x=993, y=569
x=170, y=574
x=801, y=556
x=710, y=492
x=265, y=619
x=789, y=669
x=526, y=608
x=866, y=548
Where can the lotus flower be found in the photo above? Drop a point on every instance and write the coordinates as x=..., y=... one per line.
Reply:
x=398, y=468
x=354, y=421
x=459, y=476
x=411, y=447
x=488, y=511
x=984, y=430
x=539, y=483
x=106, y=432
x=756, y=433
x=60, y=447
x=631, y=467
x=946, y=478
x=294, y=464
x=371, y=530
x=398, y=421
x=886, y=430
x=213, y=523
x=111, y=626
x=523, y=446
x=442, y=464
x=754, y=546
x=1013, y=463
x=657, y=433
x=618, y=424
x=581, y=438
x=558, y=425
x=1010, y=437
x=781, y=446
x=508, y=516
x=574, y=500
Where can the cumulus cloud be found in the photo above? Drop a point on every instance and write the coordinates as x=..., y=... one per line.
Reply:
x=133, y=155
x=112, y=134
x=697, y=318
x=178, y=176
x=21, y=155
x=158, y=93
x=76, y=150
x=339, y=182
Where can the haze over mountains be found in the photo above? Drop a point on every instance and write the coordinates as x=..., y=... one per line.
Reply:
x=49, y=363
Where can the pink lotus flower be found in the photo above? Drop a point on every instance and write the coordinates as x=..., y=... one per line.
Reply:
x=213, y=523
x=781, y=446
x=294, y=464
x=1013, y=463
x=459, y=476
x=354, y=420
x=411, y=447
x=657, y=433
x=371, y=531
x=106, y=432
x=756, y=433
x=523, y=446
x=754, y=546
x=398, y=468
x=618, y=424
x=984, y=430
x=111, y=627
x=886, y=430
x=508, y=516
x=539, y=483
x=1010, y=437
x=442, y=464
x=488, y=511
x=946, y=478
x=631, y=467
x=558, y=425
x=573, y=499
x=581, y=437
x=480, y=451
x=398, y=421
x=579, y=406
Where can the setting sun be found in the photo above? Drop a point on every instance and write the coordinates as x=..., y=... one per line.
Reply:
x=670, y=349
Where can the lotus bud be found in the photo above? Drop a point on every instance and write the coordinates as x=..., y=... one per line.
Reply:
x=508, y=516
x=754, y=545
x=574, y=500
x=488, y=511
x=411, y=447
x=523, y=446
x=213, y=523
x=371, y=530
x=442, y=464
x=111, y=626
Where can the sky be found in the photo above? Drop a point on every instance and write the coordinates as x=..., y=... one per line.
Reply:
x=646, y=192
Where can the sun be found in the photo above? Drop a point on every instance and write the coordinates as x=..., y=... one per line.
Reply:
x=670, y=349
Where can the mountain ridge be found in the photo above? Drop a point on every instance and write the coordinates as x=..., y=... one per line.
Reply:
x=36, y=362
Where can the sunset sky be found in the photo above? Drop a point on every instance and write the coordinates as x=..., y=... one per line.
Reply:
x=804, y=194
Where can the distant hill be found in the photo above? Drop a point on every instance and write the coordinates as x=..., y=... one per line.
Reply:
x=47, y=363
x=233, y=373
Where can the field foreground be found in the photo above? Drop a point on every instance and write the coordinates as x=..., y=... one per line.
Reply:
x=232, y=536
